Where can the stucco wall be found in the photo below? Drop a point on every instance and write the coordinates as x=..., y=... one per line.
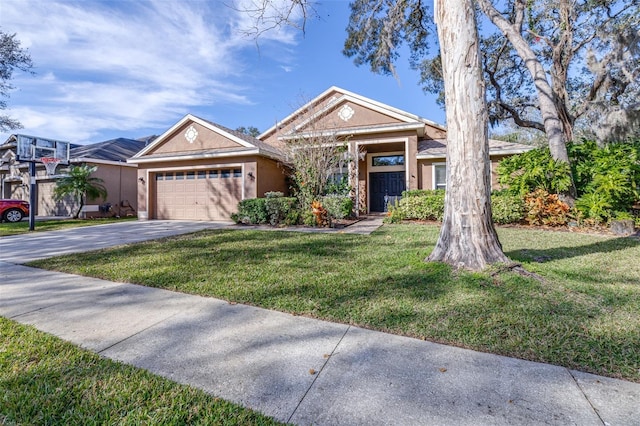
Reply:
x=206, y=140
x=270, y=177
x=425, y=172
x=267, y=176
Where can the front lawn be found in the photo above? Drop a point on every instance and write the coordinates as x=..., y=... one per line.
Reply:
x=46, y=381
x=585, y=314
x=22, y=227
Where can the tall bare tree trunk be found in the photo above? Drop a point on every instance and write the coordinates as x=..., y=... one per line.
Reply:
x=467, y=238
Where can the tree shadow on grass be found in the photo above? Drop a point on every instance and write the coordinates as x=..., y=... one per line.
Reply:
x=566, y=252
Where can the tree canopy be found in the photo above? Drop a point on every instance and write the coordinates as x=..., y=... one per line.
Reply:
x=12, y=57
x=586, y=54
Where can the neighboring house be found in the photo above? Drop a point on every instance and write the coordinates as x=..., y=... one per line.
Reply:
x=110, y=156
x=200, y=170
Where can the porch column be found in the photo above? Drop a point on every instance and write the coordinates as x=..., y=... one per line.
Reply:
x=411, y=162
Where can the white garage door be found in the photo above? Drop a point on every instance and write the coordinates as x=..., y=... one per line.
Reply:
x=48, y=206
x=198, y=194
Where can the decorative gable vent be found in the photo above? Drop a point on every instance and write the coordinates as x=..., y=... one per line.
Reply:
x=191, y=134
x=346, y=112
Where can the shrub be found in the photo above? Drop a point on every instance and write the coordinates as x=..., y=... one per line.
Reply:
x=419, y=205
x=419, y=192
x=252, y=211
x=607, y=179
x=506, y=208
x=595, y=206
x=338, y=206
x=274, y=209
x=543, y=208
x=281, y=210
x=532, y=170
x=307, y=218
x=273, y=194
x=319, y=213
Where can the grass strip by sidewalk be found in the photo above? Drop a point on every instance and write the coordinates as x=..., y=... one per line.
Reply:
x=44, y=380
x=585, y=315
x=22, y=227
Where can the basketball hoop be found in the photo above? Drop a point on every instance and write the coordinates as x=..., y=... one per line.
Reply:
x=50, y=163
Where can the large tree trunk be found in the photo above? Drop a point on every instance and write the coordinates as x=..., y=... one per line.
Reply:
x=553, y=126
x=467, y=238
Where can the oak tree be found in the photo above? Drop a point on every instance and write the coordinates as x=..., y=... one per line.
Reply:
x=12, y=57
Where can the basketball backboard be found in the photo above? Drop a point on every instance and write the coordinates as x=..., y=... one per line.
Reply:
x=30, y=148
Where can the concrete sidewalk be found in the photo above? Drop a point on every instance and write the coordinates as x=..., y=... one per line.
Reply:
x=265, y=359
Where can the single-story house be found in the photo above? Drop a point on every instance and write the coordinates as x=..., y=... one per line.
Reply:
x=200, y=170
x=120, y=177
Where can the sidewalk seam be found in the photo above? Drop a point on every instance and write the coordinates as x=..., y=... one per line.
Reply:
x=34, y=310
x=585, y=396
x=333, y=351
x=136, y=333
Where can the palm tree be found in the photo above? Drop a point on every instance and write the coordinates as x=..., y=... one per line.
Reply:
x=79, y=184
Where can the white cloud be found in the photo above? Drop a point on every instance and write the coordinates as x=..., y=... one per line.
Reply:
x=126, y=65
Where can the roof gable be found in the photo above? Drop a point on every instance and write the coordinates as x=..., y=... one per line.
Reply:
x=196, y=136
x=192, y=133
x=337, y=108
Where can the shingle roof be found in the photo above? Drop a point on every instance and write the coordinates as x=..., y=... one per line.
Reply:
x=262, y=146
x=438, y=148
x=112, y=150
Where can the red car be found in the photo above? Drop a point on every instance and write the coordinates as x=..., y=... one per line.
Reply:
x=13, y=210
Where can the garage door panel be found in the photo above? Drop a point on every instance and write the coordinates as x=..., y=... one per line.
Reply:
x=197, y=195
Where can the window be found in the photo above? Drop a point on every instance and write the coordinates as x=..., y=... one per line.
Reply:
x=191, y=175
x=213, y=174
x=202, y=174
x=439, y=176
x=179, y=175
x=159, y=176
x=237, y=173
x=225, y=173
x=168, y=176
x=388, y=160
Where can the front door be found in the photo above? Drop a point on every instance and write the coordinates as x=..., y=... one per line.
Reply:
x=384, y=184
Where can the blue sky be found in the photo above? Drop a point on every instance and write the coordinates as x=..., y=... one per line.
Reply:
x=107, y=69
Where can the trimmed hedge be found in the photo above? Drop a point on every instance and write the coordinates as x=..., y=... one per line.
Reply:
x=252, y=211
x=507, y=208
x=421, y=204
x=274, y=210
x=281, y=210
x=418, y=204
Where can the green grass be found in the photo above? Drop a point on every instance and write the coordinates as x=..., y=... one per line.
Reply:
x=22, y=227
x=44, y=380
x=584, y=315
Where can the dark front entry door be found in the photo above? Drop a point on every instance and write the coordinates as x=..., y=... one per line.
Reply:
x=389, y=184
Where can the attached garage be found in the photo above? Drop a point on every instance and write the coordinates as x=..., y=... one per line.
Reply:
x=197, y=194
x=199, y=170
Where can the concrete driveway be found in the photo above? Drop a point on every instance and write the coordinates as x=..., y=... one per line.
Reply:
x=39, y=245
